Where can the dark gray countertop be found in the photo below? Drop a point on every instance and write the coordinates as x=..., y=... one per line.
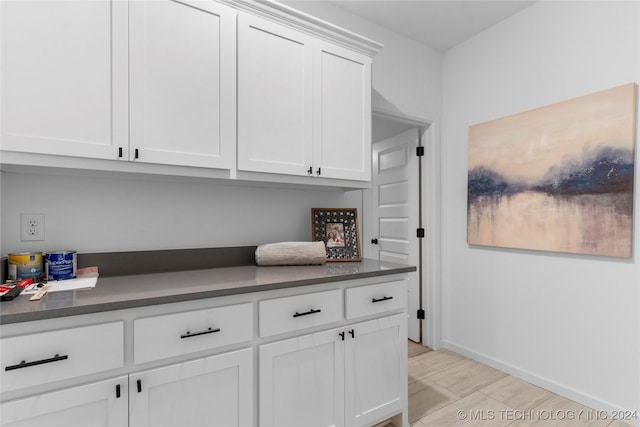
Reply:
x=122, y=292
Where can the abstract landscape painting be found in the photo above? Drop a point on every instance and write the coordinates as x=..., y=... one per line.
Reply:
x=558, y=178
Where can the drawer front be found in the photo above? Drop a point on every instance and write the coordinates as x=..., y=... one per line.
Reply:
x=46, y=357
x=374, y=299
x=299, y=312
x=178, y=334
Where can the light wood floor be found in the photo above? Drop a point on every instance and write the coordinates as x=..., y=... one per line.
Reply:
x=447, y=389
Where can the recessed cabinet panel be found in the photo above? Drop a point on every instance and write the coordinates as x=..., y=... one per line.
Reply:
x=274, y=95
x=64, y=77
x=215, y=391
x=301, y=381
x=100, y=404
x=376, y=369
x=182, y=83
x=344, y=146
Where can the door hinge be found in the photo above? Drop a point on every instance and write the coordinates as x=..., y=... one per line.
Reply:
x=421, y=314
x=419, y=151
x=420, y=232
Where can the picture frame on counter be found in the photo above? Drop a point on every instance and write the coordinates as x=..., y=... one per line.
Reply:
x=339, y=230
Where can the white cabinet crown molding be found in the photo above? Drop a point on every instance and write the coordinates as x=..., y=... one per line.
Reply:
x=311, y=25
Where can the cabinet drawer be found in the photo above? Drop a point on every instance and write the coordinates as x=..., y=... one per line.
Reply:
x=299, y=312
x=374, y=299
x=46, y=357
x=171, y=335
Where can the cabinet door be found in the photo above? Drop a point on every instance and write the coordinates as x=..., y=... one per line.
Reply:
x=274, y=98
x=342, y=109
x=301, y=381
x=215, y=391
x=64, y=77
x=100, y=404
x=376, y=370
x=183, y=75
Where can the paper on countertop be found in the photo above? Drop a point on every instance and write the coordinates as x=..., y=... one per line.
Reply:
x=86, y=281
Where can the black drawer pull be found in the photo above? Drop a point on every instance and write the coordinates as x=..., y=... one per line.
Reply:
x=381, y=299
x=195, y=334
x=139, y=385
x=306, y=313
x=24, y=364
x=118, y=391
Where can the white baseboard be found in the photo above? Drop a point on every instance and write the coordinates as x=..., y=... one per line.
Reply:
x=542, y=382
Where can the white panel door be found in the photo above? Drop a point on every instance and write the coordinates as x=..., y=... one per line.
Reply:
x=396, y=211
x=216, y=391
x=183, y=75
x=64, y=77
x=342, y=148
x=100, y=404
x=375, y=369
x=301, y=381
x=274, y=98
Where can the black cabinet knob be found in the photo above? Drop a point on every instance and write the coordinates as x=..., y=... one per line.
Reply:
x=374, y=241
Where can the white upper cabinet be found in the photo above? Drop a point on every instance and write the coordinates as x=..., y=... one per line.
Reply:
x=304, y=105
x=342, y=146
x=235, y=89
x=274, y=93
x=183, y=73
x=147, y=81
x=64, y=77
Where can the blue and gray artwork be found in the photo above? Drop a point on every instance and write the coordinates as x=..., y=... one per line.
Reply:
x=559, y=178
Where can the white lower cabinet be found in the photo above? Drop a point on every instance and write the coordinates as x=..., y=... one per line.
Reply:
x=213, y=391
x=333, y=354
x=301, y=381
x=99, y=404
x=349, y=376
x=376, y=370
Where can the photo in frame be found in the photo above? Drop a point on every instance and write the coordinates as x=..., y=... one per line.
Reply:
x=339, y=230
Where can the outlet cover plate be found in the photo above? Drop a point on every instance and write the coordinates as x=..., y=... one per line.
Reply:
x=31, y=227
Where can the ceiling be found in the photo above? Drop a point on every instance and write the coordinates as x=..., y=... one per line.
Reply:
x=440, y=24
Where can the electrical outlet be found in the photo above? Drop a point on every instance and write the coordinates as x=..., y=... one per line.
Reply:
x=31, y=227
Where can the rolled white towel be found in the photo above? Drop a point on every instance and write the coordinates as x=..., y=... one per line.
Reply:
x=291, y=253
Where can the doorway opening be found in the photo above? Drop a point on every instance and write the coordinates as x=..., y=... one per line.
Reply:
x=397, y=213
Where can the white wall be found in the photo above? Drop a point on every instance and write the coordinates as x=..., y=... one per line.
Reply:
x=91, y=214
x=569, y=323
